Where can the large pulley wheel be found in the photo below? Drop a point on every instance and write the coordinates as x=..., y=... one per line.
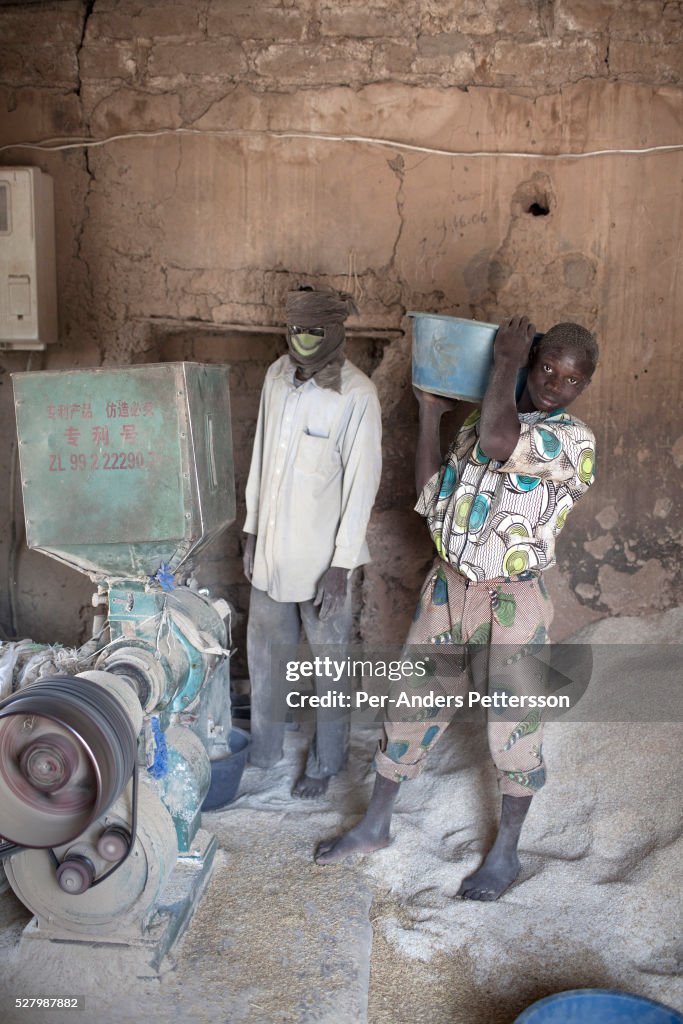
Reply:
x=125, y=898
x=67, y=749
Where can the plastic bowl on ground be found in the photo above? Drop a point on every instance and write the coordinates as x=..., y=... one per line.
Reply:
x=598, y=1006
x=226, y=772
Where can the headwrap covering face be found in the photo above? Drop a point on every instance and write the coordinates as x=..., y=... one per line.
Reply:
x=324, y=309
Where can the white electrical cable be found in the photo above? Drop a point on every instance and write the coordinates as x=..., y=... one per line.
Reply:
x=50, y=145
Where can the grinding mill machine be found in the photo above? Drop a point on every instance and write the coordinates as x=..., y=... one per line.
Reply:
x=127, y=474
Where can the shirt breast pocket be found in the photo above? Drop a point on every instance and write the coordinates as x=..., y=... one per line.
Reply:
x=312, y=454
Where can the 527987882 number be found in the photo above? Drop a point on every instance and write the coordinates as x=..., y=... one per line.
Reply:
x=49, y=1003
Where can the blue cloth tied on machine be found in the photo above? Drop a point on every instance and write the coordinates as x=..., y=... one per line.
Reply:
x=164, y=577
x=159, y=767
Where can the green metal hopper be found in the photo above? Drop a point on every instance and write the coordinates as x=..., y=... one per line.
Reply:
x=125, y=468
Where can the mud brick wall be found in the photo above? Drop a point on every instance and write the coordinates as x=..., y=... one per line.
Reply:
x=180, y=234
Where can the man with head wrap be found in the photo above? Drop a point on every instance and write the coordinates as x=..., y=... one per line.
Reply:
x=314, y=474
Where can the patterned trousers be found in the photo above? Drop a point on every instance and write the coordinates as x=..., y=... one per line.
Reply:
x=496, y=627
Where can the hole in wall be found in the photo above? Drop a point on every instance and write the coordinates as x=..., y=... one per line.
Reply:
x=535, y=197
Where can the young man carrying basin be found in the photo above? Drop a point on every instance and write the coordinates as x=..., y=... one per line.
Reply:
x=493, y=508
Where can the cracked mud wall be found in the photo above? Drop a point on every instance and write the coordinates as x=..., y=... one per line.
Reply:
x=183, y=244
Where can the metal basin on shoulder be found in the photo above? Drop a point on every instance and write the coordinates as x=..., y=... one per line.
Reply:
x=453, y=356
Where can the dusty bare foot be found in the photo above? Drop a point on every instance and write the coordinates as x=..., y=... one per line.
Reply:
x=501, y=866
x=308, y=788
x=370, y=834
x=360, y=839
x=493, y=878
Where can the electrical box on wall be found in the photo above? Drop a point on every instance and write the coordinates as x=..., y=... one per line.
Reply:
x=28, y=279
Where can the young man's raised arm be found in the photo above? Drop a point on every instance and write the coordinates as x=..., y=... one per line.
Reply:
x=499, y=422
x=428, y=455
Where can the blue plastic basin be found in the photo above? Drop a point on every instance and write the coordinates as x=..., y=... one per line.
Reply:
x=598, y=1006
x=226, y=772
x=452, y=357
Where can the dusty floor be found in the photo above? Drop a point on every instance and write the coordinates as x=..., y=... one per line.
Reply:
x=278, y=940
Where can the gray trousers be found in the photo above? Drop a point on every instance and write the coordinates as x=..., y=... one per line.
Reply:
x=274, y=624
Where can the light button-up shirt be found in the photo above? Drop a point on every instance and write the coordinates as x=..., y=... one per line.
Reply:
x=315, y=470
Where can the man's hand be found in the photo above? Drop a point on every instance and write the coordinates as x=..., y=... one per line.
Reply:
x=248, y=556
x=331, y=591
x=513, y=341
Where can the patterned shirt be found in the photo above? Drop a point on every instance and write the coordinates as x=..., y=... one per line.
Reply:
x=491, y=519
